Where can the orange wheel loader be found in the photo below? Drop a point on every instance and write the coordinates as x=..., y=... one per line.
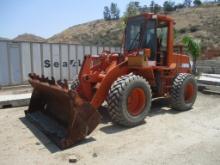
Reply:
x=147, y=68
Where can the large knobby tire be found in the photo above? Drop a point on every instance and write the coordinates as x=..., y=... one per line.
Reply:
x=129, y=100
x=183, y=92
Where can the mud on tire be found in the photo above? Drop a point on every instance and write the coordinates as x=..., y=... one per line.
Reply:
x=118, y=100
x=183, y=92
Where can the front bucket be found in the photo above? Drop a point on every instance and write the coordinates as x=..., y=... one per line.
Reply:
x=61, y=113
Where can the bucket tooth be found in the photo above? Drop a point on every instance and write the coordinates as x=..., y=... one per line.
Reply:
x=65, y=84
x=52, y=81
x=37, y=77
x=43, y=79
x=59, y=82
x=32, y=75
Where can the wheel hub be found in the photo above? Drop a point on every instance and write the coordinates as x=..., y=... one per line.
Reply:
x=189, y=92
x=136, y=101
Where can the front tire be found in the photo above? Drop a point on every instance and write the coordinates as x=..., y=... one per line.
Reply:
x=183, y=92
x=129, y=100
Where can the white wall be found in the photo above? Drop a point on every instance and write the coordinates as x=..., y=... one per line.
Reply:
x=62, y=61
x=4, y=67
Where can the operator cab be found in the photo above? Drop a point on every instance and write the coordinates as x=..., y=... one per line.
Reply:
x=148, y=31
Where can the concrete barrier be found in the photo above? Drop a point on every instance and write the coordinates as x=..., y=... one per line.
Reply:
x=13, y=100
x=209, y=66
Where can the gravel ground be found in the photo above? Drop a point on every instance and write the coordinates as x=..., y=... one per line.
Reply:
x=167, y=137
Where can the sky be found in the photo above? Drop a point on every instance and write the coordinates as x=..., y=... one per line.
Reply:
x=48, y=17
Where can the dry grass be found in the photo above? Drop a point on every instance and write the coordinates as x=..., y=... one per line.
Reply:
x=202, y=23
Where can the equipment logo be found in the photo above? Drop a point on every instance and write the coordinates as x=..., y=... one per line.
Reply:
x=57, y=64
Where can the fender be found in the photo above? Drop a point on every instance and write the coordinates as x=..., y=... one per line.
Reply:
x=102, y=93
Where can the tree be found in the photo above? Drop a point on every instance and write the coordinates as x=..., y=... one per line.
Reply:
x=179, y=6
x=193, y=47
x=187, y=3
x=169, y=6
x=152, y=6
x=115, y=12
x=137, y=4
x=157, y=8
x=133, y=9
x=117, y=15
x=197, y=2
x=106, y=13
x=144, y=9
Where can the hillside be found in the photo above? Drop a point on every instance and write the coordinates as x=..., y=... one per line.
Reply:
x=202, y=23
x=29, y=37
x=99, y=32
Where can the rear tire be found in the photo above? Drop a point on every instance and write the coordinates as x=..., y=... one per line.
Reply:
x=129, y=100
x=183, y=92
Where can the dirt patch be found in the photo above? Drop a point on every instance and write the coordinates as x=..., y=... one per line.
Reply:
x=167, y=137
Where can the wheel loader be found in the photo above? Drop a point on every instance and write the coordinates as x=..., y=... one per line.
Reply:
x=148, y=68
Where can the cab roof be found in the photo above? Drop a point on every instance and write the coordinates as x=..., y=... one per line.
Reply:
x=154, y=16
